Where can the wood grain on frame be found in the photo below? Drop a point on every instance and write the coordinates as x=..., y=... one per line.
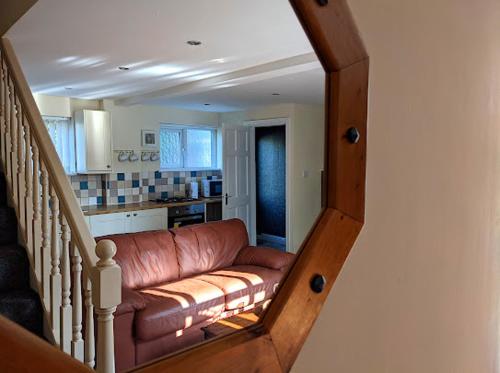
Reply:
x=332, y=32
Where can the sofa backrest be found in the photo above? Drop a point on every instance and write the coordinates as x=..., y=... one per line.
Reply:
x=146, y=258
x=210, y=246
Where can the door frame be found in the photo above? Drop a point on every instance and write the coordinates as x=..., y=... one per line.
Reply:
x=252, y=177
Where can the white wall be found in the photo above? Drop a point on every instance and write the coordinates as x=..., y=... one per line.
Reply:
x=306, y=138
x=128, y=121
x=419, y=292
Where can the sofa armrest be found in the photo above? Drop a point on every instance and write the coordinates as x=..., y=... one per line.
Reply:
x=264, y=257
x=131, y=301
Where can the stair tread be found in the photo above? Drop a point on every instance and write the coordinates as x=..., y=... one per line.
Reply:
x=24, y=308
x=14, y=268
x=8, y=226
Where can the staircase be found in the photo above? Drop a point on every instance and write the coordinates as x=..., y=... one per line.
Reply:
x=18, y=302
x=44, y=240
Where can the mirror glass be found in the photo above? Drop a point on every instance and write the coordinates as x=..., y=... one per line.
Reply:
x=206, y=163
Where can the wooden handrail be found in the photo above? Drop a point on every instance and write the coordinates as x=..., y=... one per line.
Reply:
x=24, y=352
x=73, y=212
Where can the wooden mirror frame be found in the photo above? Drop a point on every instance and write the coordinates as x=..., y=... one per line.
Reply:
x=274, y=343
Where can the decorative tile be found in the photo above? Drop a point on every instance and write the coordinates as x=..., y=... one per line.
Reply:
x=125, y=187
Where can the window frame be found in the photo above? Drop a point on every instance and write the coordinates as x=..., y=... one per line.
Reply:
x=183, y=128
x=71, y=142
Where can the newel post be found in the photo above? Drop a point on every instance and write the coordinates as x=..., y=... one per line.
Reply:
x=106, y=295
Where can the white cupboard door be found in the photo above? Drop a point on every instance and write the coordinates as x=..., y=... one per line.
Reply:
x=236, y=187
x=148, y=220
x=106, y=224
x=98, y=140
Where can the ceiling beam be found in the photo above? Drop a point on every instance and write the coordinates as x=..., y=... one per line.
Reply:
x=287, y=66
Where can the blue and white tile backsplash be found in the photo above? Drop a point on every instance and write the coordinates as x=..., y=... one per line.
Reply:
x=130, y=187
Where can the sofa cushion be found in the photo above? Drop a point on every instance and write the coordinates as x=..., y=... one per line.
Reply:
x=245, y=284
x=210, y=246
x=146, y=258
x=176, y=306
x=264, y=257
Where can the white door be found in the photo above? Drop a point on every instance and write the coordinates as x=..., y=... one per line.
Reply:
x=236, y=186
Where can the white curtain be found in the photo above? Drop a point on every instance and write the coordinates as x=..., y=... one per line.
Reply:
x=62, y=133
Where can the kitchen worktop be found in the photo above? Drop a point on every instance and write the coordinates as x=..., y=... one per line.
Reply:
x=127, y=207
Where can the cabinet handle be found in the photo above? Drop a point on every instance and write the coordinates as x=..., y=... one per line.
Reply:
x=108, y=166
x=128, y=215
x=135, y=214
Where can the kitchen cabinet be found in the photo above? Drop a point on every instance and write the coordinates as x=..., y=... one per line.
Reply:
x=147, y=220
x=106, y=224
x=93, y=141
x=128, y=222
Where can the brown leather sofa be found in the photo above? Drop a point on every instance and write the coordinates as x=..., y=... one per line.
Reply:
x=176, y=282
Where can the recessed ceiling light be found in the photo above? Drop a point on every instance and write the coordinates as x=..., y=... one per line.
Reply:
x=207, y=104
x=123, y=68
x=218, y=60
x=276, y=94
x=194, y=42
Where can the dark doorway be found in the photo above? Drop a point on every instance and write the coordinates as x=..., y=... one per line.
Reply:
x=270, y=168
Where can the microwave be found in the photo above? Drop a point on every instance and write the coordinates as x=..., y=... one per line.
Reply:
x=211, y=188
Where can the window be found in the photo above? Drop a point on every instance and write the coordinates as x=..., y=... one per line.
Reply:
x=62, y=133
x=187, y=147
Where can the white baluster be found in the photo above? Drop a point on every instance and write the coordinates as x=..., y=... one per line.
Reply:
x=13, y=144
x=36, y=227
x=45, y=237
x=66, y=311
x=20, y=168
x=89, y=322
x=108, y=281
x=28, y=188
x=2, y=110
x=6, y=156
x=76, y=269
x=55, y=271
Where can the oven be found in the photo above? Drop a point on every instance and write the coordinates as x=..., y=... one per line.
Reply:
x=186, y=215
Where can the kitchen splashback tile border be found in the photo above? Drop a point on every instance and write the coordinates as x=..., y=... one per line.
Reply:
x=129, y=187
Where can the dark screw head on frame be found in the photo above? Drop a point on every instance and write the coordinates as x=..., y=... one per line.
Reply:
x=352, y=135
x=322, y=2
x=318, y=283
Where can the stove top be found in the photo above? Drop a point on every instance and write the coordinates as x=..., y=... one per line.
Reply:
x=175, y=200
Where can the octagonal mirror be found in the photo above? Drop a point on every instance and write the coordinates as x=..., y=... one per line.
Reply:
x=231, y=185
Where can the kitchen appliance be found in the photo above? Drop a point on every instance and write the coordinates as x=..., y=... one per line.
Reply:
x=180, y=216
x=193, y=189
x=211, y=188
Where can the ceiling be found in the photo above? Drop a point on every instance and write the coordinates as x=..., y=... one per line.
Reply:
x=73, y=48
